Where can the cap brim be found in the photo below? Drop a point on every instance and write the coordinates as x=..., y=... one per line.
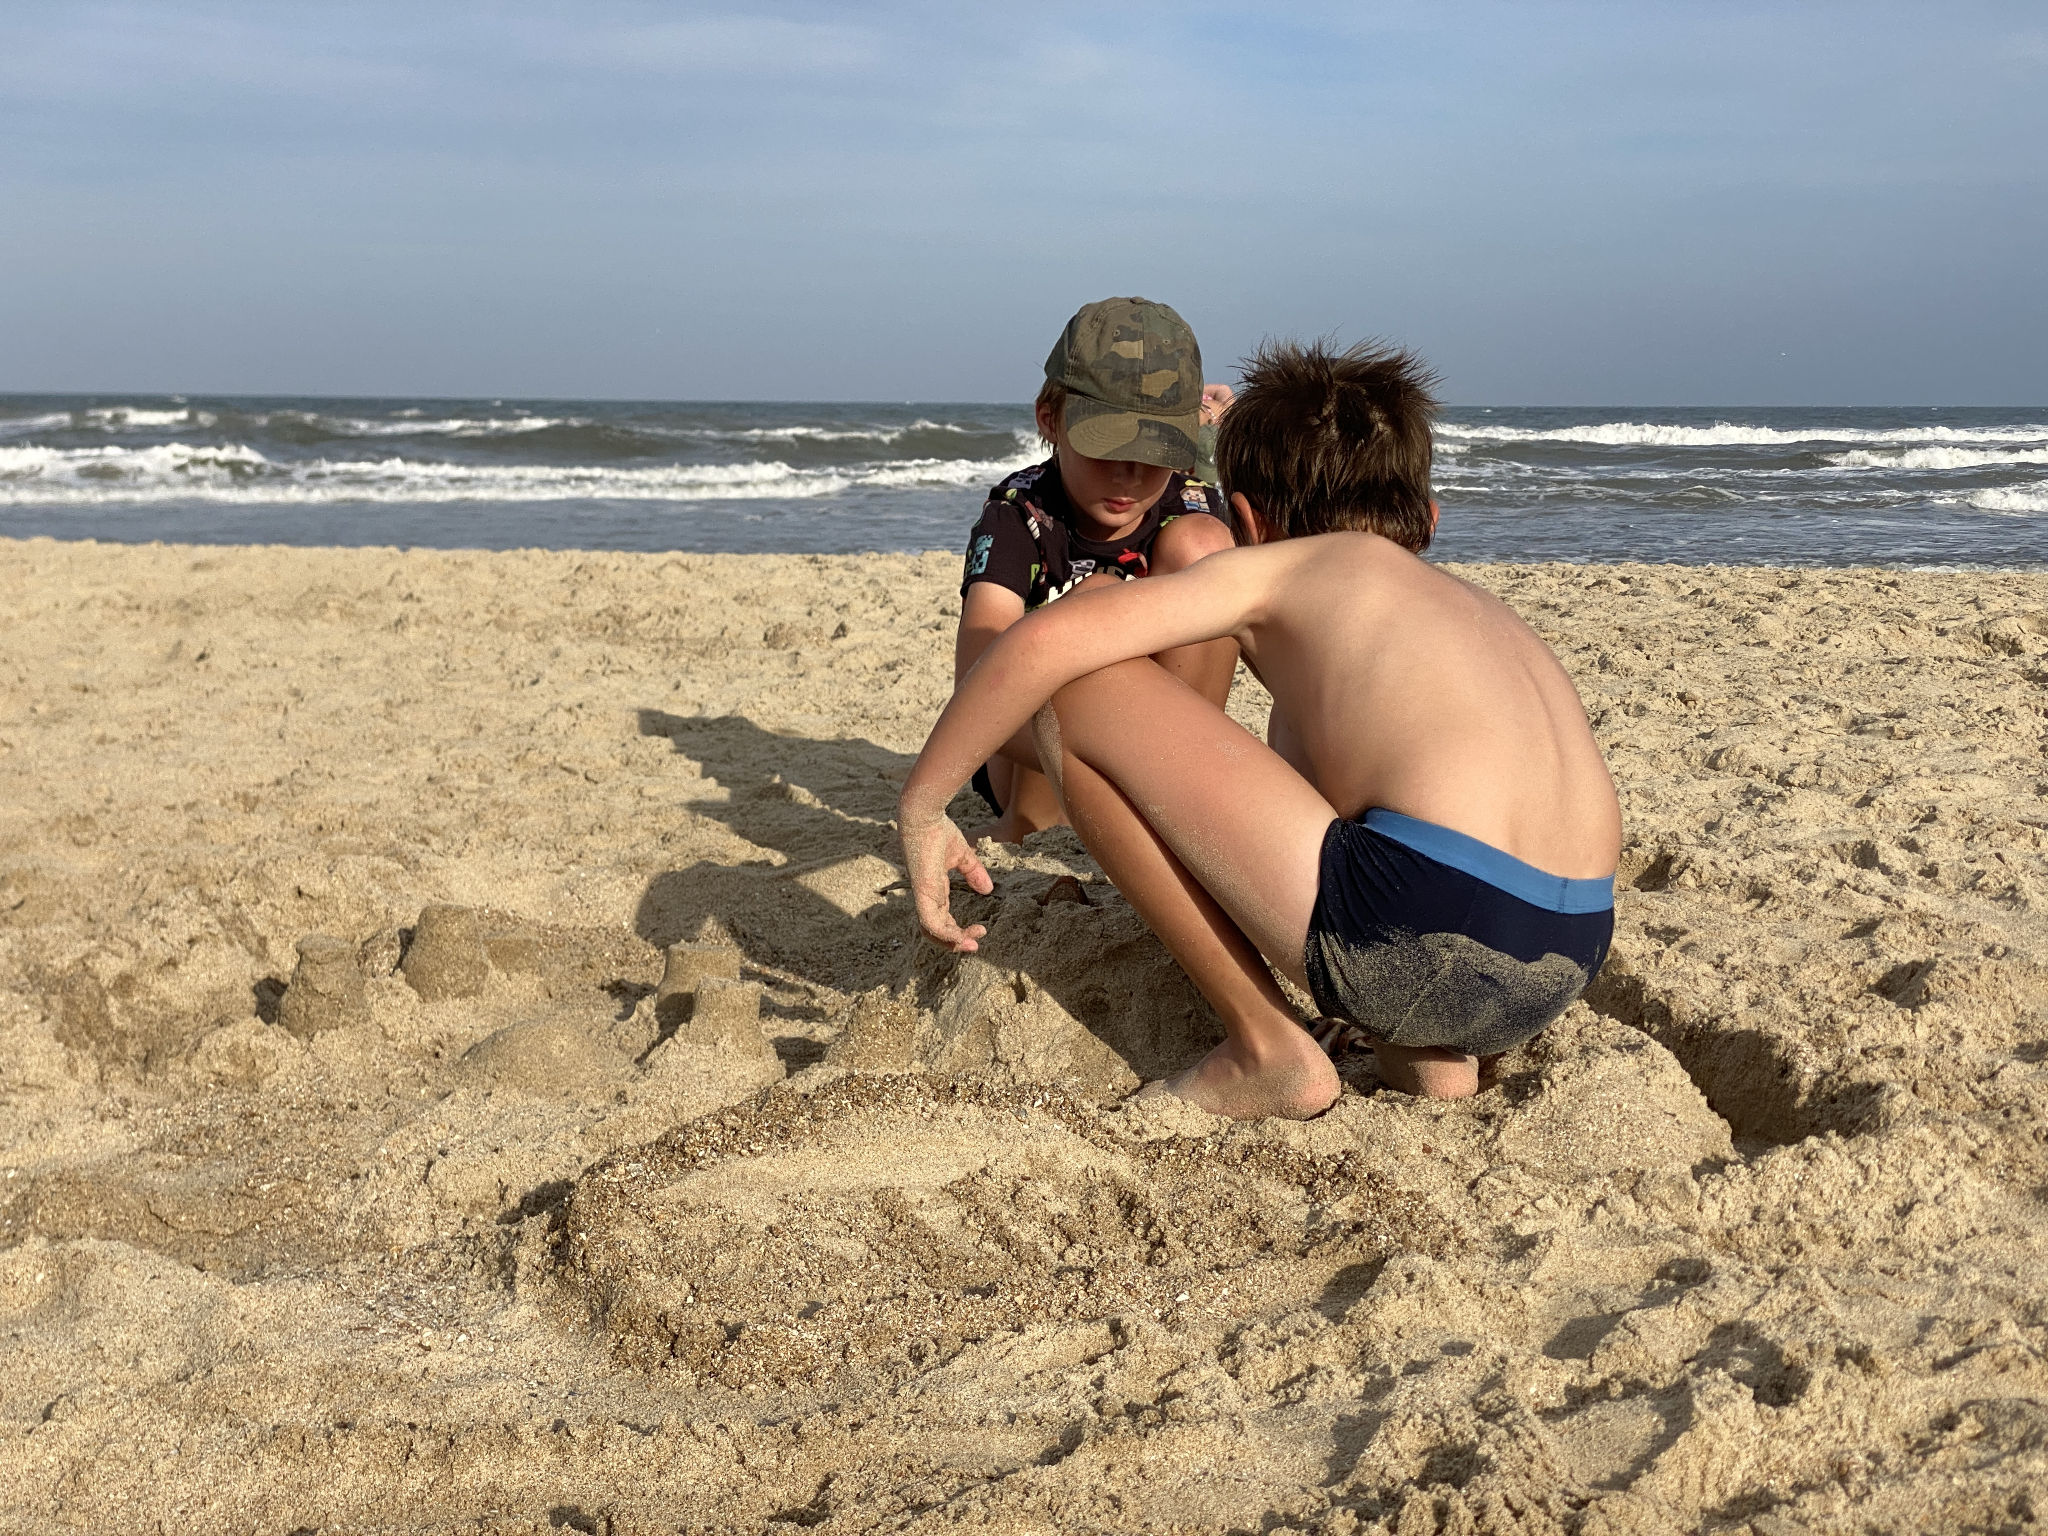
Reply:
x=1110, y=432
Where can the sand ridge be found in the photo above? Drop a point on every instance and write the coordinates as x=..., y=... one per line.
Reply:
x=316, y=1215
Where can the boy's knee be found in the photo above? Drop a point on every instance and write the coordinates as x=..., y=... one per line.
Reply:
x=1091, y=688
x=1075, y=717
x=1187, y=539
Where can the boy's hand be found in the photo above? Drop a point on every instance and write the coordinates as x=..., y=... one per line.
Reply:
x=1216, y=400
x=932, y=850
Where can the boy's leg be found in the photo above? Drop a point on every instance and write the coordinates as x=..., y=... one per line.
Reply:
x=1223, y=865
x=1028, y=800
x=1029, y=804
x=1209, y=667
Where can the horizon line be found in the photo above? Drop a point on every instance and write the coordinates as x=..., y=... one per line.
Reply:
x=182, y=396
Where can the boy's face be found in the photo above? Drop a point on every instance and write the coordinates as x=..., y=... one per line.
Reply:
x=1109, y=495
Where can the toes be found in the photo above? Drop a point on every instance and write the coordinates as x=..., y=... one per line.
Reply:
x=1336, y=1037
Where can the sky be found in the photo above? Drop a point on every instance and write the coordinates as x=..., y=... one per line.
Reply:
x=1557, y=203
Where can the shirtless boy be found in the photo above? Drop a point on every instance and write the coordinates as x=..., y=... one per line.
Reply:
x=1425, y=841
x=1125, y=412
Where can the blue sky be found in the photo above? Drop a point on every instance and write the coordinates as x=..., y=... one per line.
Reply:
x=1640, y=203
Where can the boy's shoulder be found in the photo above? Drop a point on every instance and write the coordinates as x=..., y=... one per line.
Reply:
x=1022, y=501
x=1019, y=485
x=1186, y=493
x=1308, y=580
x=1310, y=572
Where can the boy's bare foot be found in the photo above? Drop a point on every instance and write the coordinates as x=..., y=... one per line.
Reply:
x=1428, y=1071
x=1291, y=1079
x=1337, y=1037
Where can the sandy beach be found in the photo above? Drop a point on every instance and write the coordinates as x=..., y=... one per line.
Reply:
x=360, y=1171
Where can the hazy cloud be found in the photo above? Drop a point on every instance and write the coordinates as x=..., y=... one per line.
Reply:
x=747, y=46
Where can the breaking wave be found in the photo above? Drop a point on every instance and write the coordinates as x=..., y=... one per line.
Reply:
x=416, y=423
x=1725, y=434
x=21, y=426
x=2011, y=498
x=238, y=473
x=884, y=435
x=1937, y=458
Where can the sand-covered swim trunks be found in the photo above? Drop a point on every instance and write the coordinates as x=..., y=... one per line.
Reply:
x=1424, y=936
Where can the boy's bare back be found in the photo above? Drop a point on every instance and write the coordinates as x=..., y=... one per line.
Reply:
x=1399, y=686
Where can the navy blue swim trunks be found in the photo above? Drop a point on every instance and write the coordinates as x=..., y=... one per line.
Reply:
x=1424, y=936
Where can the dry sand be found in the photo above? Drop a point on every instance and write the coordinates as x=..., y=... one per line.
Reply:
x=493, y=1234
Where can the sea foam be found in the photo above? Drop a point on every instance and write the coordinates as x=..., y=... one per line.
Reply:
x=1937, y=458
x=2011, y=498
x=238, y=473
x=453, y=426
x=22, y=426
x=1726, y=434
x=126, y=418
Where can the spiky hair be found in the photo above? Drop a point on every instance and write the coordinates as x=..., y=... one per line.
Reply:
x=1320, y=440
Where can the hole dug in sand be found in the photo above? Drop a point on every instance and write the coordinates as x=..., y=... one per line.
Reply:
x=1751, y=1078
x=1524, y=1335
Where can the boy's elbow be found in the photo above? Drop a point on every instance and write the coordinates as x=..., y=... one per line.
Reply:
x=1025, y=650
x=1031, y=655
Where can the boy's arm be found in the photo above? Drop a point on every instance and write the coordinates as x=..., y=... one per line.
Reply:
x=1028, y=663
x=986, y=611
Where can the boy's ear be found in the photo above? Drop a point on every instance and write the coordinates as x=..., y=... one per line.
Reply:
x=1256, y=530
x=1434, y=512
x=1049, y=424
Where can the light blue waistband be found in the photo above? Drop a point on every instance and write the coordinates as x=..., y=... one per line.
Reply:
x=1503, y=871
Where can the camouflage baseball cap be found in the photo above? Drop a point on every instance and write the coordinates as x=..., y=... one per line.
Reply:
x=1133, y=376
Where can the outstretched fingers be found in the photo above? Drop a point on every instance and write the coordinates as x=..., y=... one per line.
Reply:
x=941, y=926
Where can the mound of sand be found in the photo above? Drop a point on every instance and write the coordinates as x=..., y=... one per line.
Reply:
x=1068, y=987
x=465, y=1065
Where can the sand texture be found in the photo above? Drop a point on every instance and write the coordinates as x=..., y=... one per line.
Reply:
x=465, y=1065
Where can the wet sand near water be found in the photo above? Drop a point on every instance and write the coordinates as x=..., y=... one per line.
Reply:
x=465, y=1066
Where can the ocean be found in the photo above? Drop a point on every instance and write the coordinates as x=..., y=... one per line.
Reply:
x=1777, y=486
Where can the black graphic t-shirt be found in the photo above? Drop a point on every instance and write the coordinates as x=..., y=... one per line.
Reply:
x=1025, y=539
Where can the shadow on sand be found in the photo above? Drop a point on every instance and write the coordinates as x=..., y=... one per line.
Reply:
x=836, y=914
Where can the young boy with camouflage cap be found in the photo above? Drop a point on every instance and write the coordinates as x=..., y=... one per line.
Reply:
x=1125, y=411
x=1426, y=839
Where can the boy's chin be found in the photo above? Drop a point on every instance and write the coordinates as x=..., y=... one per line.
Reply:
x=1102, y=524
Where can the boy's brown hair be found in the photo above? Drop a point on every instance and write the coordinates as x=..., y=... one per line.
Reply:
x=1051, y=395
x=1319, y=440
